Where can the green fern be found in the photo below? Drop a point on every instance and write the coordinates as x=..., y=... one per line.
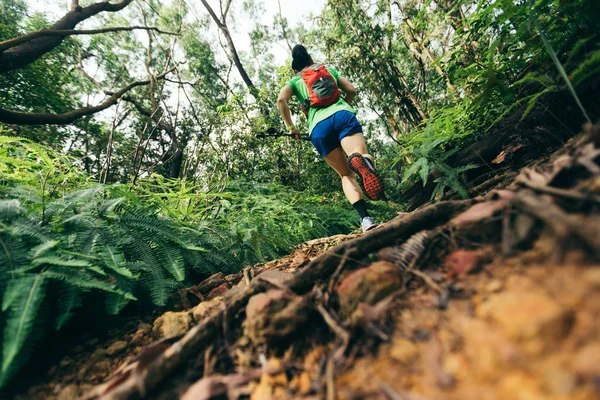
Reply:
x=20, y=304
x=68, y=301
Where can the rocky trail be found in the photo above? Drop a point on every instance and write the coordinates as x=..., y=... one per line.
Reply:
x=496, y=297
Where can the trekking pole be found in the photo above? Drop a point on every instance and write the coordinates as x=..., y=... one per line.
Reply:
x=272, y=132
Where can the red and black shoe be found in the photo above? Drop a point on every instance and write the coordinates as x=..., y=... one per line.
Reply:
x=369, y=182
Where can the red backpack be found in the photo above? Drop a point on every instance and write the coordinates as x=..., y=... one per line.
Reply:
x=322, y=87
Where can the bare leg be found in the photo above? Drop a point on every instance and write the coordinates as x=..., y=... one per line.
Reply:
x=355, y=143
x=337, y=160
x=363, y=164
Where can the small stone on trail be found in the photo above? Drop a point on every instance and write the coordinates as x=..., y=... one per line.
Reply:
x=172, y=323
x=368, y=285
x=273, y=315
x=116, y=347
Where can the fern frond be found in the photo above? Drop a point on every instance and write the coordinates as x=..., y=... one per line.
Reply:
x=69, y=299
x=22, y=300
x=79, y=278
x=172, y=261
x=10, y=209
x=115, y=302
x=115, y=260
x=41, y=249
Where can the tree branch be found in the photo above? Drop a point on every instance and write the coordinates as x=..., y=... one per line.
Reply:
x=213, y=15
x=283, y=26
x=26, y=118
x=29, y=51
x=7, y=44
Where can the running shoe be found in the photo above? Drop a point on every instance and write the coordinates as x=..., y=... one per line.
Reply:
x=367, y=224
x=369, y=182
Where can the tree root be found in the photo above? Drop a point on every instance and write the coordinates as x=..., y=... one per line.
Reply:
x=203, y=334
x=562, y=224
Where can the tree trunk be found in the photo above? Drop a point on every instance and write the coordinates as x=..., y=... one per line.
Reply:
x=176, y=163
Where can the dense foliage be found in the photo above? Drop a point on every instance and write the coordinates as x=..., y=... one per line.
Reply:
x=64, y=238
x=173, y=182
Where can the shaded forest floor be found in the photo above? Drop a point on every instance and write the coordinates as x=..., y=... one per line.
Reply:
x=496, y=297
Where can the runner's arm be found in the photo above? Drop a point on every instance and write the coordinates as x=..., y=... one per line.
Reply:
x=284, y=109
x=282, y=104
x=348, y=88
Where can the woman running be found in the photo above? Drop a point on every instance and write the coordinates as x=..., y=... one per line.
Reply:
x=333, y=128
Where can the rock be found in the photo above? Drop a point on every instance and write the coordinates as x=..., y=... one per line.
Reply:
x=172, y=323
x=404, y=351
x=69, y=392
x=274, y=315
x=530, y=316
x=586, y=362
x=205, y=308
x=116, y=347
x=368, y=285
x=462, y=262
x=219, y=291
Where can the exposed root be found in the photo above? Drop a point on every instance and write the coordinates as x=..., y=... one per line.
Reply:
x=348, y=308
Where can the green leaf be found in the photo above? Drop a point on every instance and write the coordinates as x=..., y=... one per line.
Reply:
x=22, y=300
x=55, y=260
x=115, y=260
x=42, y=248
x=69, y=299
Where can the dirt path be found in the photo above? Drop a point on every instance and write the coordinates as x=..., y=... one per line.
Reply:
x=492, y=298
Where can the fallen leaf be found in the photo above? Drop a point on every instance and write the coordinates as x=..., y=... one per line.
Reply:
x=479, y=212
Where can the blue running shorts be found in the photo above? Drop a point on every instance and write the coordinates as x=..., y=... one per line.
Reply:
x=327, y=134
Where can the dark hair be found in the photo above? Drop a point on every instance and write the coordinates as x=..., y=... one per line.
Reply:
x=301, y=58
